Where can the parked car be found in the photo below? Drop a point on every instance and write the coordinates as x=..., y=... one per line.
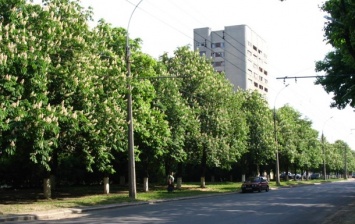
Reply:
x=298, y=176
x=255, y=184
x=283, y=175
x=315, y=176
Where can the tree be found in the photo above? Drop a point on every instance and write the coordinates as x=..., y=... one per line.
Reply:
x=210, y=96
x=287, y=120
x=183, y=123
x=60, y=95
x=339, y=65
x=260, y=135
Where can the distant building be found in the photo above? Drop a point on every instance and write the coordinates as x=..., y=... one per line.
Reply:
x=238, y=52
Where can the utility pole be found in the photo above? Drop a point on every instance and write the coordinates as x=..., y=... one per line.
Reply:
x=276, y=144
x=323, y=148
x=131, y=157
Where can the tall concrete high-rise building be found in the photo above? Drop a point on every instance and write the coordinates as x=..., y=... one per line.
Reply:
x=238, y=52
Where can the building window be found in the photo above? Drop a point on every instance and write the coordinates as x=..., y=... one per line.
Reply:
x=202, y=53
x=218, y=63
x=260, y=69
x=203, y=44
x=218, y=54
x=260, y=78
x=256, y=84
x=261, y=87
x=255, y=48
x=215, y=45
x=249, y=53
x=266, y=90
x=265, y=72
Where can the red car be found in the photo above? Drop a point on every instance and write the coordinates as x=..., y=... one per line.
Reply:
x=255, y=184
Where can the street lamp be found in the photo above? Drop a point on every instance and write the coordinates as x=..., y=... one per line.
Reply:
x=324, y=168
x=275, y=135
x=131, y=159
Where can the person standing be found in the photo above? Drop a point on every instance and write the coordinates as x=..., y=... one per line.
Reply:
x=171, y=182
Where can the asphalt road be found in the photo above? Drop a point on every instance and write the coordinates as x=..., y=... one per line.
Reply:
x=306, y=204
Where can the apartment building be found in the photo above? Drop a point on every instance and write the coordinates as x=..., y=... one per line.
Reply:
x=237, y=51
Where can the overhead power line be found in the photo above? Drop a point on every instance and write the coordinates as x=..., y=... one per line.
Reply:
x=310, y=76
x=301, y=77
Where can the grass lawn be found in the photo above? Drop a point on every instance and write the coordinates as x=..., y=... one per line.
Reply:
x=20, y=201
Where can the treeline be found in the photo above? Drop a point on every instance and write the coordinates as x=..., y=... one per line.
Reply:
x=63, y=109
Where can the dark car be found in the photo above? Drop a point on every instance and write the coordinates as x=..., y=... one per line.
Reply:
x=315, y=176
x=255, y=184
x=289, y=175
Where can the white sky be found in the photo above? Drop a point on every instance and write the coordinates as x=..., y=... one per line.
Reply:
x=292, y=29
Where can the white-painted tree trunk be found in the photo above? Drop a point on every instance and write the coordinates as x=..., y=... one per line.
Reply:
x=203, y=183
x=243, y=177
x=106, y=185
x=179, y=183
x=145, y=184
x=47, y=192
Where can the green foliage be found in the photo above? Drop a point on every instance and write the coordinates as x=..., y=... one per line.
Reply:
x=260, y=142
x=338, y=65
x=298, y=141
x=62, y=100
x=210, y=98
x=57, y=93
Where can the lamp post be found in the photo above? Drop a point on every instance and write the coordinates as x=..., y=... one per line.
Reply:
x=324, y=168
x=131, y=159
x=275, y=135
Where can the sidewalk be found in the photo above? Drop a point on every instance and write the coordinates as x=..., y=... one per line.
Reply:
x=346, y=215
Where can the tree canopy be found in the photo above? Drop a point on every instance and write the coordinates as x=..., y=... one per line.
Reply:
x=63, y=107
x=339, y=64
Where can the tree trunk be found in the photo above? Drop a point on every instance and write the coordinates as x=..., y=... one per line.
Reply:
x=106, y=185
x=179, y=176
x=179, y=183
x=47, y=192
x=203, y=183
x=203, y=167
x=145, y=184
